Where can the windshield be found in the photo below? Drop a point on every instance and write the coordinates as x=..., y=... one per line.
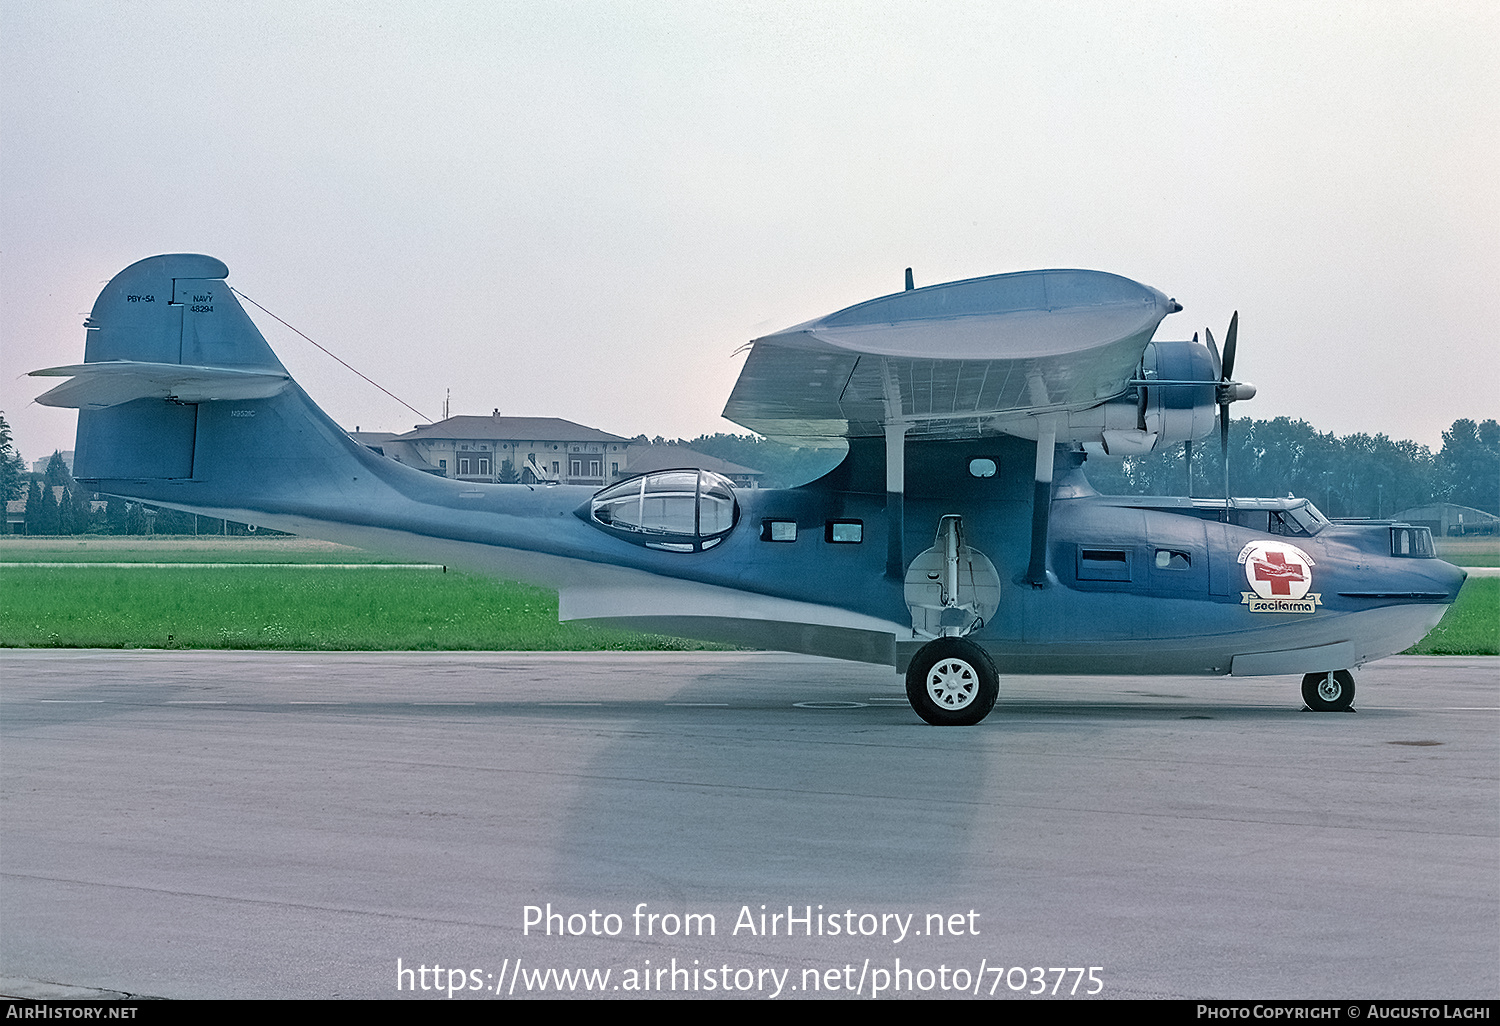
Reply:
x=1307, y=517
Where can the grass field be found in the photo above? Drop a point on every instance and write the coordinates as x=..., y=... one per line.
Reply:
x=180, y=549
x=1471, y=626
x=253, y=605
x=250, y=604
x=1469, y=551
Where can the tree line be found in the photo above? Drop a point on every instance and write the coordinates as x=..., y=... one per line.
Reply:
x=1355, y=475
x=56, y=504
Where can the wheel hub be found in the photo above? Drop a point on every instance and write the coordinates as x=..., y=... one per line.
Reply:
x=1330, y=689
x=952, y=683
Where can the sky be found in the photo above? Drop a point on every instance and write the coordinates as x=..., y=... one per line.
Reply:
x=581, y=210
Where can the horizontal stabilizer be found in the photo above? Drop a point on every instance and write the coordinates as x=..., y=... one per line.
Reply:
x=97, y=386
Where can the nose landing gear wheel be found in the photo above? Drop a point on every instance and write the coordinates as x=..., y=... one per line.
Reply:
x=952, y=683
x=1328, y=692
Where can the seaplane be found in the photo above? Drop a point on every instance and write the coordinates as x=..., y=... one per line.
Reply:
x=958, y=539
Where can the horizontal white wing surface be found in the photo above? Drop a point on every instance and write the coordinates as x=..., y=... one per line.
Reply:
x=113, y=382
x=961, y=359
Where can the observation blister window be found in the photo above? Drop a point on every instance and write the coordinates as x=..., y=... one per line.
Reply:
x=673, y=510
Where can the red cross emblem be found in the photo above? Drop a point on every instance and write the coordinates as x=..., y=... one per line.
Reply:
x=1278, y=572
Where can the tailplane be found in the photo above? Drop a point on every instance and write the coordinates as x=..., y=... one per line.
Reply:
x=181, y=400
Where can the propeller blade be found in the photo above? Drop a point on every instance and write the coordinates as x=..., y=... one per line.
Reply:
x=1229, y=341
x=1224, y=446
x=1214, y=351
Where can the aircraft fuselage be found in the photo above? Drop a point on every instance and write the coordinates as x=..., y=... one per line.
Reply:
x=1136, y=585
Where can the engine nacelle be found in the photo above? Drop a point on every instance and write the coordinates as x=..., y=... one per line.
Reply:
x=1176, y=412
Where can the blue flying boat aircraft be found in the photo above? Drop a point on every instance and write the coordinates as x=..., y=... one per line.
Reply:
x=959, y=534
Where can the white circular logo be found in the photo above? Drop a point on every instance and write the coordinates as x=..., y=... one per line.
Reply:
x=1277, y=570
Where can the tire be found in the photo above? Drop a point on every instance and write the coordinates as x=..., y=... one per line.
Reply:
x=1328, y=692
x=952, y=683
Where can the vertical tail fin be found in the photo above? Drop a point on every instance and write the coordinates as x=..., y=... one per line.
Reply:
x=175, y=309
x=181, y=400
x=165, y=328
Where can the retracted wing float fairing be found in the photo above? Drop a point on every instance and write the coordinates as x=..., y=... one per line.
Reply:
x=958, y=535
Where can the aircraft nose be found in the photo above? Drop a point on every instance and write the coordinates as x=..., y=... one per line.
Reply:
x=1453, y=578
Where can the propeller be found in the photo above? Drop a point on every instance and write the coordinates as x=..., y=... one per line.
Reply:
x=1228, y=390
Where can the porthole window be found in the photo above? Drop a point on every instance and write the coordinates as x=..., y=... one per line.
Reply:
x=778, y=530
x=844, y=532
x=1171, y=559
x=982, y=467
x=672, y=510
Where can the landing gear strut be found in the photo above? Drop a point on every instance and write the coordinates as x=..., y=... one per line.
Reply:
x=952, y=683
x=1328, y=692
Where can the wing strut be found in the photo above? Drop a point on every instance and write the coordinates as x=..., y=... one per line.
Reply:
x=895, y=478
x=1041, y=501
x=895, y=489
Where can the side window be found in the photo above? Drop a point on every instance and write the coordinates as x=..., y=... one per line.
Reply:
x=778, y=530
x=1172, y=559
x=844, y=532
x=1255, y=519
x=1411, y=541
x=1103, y=564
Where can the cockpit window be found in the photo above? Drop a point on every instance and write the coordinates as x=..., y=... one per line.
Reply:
x=1307, y=517
x=673, y=510
x=1288, y=516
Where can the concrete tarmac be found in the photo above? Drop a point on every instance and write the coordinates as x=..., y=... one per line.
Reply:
x=268, y=825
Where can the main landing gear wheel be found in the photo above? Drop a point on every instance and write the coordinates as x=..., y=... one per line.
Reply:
x=952, y=683
x=1328, y=692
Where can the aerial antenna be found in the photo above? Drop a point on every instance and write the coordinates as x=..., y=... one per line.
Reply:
x=909, y=284
x=346, y=366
